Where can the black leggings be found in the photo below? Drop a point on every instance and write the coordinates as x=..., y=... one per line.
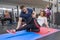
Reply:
x=32, y=26
x=28, y=27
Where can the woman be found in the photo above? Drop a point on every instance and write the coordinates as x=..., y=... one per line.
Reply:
x=7, y=16
x=42, y=19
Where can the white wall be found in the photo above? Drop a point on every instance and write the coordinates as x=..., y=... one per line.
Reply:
x=7, y=6
x=37, y=10
x=54, y=9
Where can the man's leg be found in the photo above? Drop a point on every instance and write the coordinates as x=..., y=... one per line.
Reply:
x=26, y=27
x=2, y=21
x=36, y=26
x=10, y=20
x=30, y=27
x=35, y=29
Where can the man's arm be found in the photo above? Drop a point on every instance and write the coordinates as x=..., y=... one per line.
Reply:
x=19, y=22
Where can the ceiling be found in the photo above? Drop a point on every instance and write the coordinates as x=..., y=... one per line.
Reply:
x=32, y=3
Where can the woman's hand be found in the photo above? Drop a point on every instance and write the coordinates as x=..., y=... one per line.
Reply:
x=13, y=31
x=48, y=29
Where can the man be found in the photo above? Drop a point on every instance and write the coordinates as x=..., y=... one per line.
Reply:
x=26, y=20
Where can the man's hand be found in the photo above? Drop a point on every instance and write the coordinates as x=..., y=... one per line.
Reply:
x=17, y=28
x=24, y=25
x=19, y=22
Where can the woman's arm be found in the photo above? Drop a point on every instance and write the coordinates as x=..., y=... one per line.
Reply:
x=46, y=22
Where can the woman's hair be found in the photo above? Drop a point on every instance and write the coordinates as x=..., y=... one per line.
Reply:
x=37, y=15
x=44, y=13
x=6, y=11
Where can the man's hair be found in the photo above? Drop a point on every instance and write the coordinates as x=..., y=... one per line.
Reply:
x=22, y=6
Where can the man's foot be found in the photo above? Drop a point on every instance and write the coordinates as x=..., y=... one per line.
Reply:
x=11, y=31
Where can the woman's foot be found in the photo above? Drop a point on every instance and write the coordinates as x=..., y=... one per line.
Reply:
x=11, y=31
x=48, y=30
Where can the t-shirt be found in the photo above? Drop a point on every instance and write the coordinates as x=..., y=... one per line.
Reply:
x=27, y=16
x=6, y=15
x=41, y=20
x=48, y=13
x=47, y=10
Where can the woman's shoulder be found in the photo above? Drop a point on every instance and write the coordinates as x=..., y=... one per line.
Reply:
x=39, y=16
x=45, y=17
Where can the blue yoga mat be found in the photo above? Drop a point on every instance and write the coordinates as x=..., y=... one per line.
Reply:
x=21, y=35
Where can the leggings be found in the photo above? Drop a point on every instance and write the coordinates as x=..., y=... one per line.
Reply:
x=34, y=27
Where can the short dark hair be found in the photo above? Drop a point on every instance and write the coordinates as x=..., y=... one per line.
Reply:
x=22, y=6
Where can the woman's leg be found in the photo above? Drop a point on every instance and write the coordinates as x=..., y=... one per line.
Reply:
x=36, y=26
x=2, y=21
x=35, y=29
x=26, y=27
x=10, y=20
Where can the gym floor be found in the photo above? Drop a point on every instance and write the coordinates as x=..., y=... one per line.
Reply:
x=54, y=36
x=5, y=27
